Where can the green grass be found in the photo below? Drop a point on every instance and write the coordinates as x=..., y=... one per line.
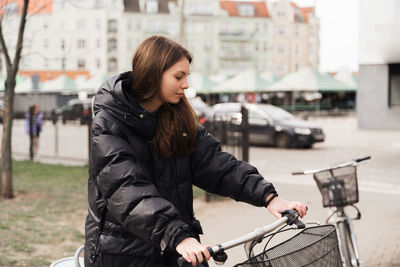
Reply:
x=45, y=220
x=45, y=217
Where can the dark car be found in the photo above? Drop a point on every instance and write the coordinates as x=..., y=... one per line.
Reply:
x=75, y=110
x=269, y=125
x=200, y=107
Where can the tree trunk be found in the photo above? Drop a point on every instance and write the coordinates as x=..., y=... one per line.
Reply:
x=6, y=156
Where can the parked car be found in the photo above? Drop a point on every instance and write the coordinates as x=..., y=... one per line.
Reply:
x=75, y=109
x=269, y=125
x=200, y=107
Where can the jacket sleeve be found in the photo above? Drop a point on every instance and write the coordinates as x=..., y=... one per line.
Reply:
x=221, y=173
x=131, y=197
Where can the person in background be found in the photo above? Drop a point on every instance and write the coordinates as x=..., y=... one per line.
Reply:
x=33, y=126
x=147, y=151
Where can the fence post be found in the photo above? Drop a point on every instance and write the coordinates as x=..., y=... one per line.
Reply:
x=245, y=133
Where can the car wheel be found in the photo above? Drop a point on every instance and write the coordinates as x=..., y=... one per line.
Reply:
x=282, y=140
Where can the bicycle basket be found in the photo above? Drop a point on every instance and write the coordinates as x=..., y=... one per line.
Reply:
x=313, y=246
x=338, y=186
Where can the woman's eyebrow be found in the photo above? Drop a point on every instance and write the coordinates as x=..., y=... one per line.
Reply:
x=182, y=72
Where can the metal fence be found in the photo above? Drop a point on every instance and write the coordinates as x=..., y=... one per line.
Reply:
x=68, y=143
x=232, y=134
x=58, y=143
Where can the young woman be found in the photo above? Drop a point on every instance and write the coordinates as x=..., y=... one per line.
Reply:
x=147, y=151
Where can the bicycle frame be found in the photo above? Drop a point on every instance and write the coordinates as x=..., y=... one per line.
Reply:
x=340, y=215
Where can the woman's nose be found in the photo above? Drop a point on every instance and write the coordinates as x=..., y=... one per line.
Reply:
x=185, y=84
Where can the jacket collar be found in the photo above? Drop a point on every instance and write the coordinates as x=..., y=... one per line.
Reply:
x=114, y=98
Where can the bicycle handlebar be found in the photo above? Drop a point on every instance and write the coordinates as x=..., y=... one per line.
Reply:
x=354, y=162
x=362, y=159
x=289, y=217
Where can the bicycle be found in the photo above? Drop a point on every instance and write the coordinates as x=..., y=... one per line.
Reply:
x=312, y=246
x=339, y=188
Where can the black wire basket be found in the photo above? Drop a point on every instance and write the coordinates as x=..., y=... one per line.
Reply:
x=338, y=187
x=314, y=246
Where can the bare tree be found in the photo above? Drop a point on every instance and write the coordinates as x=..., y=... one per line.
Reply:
x=12, y=66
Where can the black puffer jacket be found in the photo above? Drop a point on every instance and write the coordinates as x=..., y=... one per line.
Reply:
x=140, y=204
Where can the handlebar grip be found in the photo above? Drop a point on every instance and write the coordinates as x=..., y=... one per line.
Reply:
x=183, y=263
x=292, y=216
x=297, y=173
x=362, y=159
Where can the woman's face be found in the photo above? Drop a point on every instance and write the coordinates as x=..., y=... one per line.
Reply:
x=174, y=82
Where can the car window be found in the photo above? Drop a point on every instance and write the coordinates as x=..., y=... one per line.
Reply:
x=277, y=114
x=257, y=118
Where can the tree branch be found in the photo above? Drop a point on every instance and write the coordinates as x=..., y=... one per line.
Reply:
x=3, y=45
x=20, y=36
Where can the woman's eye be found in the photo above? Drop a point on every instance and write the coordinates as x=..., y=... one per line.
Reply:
x=178, y=78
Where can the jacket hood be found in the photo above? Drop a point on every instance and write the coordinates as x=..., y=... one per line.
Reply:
x=114, y=98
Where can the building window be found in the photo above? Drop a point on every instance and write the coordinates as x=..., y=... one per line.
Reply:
x=257, y=46
x=394, y=85
x=149, y=6
x=46, y=43
x=81, y=44
x=265, y=46
x=98, y=63
x=81, y=24
x=62, y=44
x=297, y=31
x=112, y=45
x=45, y=25
x=98, y=42
x=281, y=30
x=98, y=24
x=112, y=65
x=112, y=26
x=245, y=10
x=297, y=50
x=281, y=49
x=129, y=26
x=81, y=64
x=280, y=13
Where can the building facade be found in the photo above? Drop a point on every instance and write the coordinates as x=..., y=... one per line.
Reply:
x=378, y=97
x=295, y=38
x=100, y=36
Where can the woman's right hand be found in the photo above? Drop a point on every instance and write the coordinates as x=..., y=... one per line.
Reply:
x=193, y=251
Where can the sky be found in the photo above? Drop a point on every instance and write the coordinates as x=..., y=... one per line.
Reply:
x=338, y=33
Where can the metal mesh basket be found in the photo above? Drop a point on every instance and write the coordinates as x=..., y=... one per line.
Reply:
x=338, y=186
x=314, y=246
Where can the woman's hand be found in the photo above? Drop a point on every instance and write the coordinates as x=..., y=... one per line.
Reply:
x=277, y=205
x=193, y=251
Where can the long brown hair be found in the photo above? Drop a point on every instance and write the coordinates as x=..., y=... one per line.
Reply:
x=176, y=131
